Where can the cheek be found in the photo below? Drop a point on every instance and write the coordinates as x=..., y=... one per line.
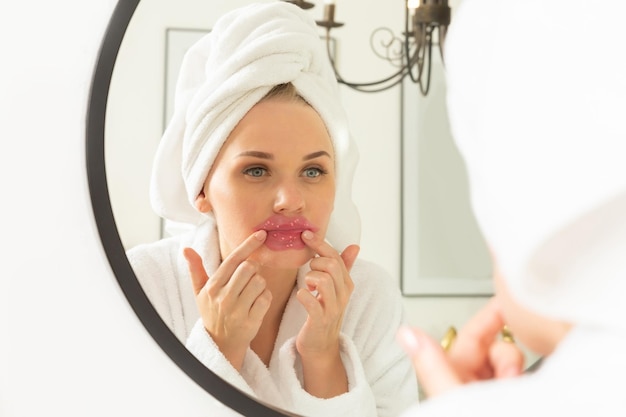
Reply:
x=230, y=201
x=235, y=217
x=322, y=208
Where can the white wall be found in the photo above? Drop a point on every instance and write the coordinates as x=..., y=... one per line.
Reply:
x=69, y=343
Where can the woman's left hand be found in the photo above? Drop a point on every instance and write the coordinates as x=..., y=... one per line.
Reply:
x=477, y=353
x=329, y=287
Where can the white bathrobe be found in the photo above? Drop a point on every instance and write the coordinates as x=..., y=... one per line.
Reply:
x=380, y=377
x=249, y=51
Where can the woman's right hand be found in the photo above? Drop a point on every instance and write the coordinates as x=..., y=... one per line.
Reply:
x=234, y=300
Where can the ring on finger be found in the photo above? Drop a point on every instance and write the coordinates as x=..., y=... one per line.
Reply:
x=507, y=335
x=448, y=338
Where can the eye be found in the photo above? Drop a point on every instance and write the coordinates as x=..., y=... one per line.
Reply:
x=313, y=172
x=255, y=172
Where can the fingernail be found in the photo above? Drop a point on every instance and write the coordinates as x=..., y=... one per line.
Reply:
x=307, y=234
x=510, y=372
x=260, y=234
x=408, y=339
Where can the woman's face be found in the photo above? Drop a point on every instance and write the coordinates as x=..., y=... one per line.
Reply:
x=275, y=172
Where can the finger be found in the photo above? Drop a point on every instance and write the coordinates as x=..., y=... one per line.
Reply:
x=506, y=359
x=319, y=245
x=349, y=255
x=199, y=276
x=238, y=255
x=478, y=334
x=324, y=249
x=325, y=287
x=310, y=303
x=260, y=306
x=432, y=367
x=244, y=275
x=335, y=270
x=254, y=287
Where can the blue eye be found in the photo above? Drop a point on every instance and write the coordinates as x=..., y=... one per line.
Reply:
x=313, y=172
x=255, y=172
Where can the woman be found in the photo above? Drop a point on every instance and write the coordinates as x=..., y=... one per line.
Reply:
x=544, y=146
x=267, y=289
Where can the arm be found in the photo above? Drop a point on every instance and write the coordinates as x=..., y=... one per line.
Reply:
x=329, y=287
x=233, y=301
x=381, y=380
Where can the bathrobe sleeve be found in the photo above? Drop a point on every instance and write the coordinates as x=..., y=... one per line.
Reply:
x=202, y=346
x=358, y=401
x=255, y=378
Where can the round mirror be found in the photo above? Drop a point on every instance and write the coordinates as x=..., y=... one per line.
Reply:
x=130, y=105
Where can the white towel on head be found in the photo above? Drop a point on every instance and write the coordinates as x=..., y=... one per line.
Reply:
x=249, y=51
x=538, y=115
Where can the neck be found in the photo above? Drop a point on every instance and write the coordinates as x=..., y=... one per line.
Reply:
x=281, y=284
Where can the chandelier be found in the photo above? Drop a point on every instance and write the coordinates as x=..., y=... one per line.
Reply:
x=410, y=52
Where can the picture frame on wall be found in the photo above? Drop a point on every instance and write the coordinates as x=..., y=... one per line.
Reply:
x=443, y=250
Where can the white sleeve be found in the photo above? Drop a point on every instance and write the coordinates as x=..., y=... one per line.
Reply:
x=254, y=378
x=358, y=401
x=202, y=346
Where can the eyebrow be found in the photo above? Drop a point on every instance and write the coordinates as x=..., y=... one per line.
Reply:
x=265, y=155
x=315, y=155
x=257, y=154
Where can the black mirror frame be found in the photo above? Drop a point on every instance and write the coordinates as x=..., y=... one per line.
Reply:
x=111, y=241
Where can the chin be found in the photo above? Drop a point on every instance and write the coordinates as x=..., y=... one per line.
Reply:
x=285, y=259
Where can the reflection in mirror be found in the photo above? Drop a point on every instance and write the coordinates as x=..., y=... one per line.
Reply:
x=282, y=361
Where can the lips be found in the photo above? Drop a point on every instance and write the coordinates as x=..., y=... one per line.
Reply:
x=283, y=233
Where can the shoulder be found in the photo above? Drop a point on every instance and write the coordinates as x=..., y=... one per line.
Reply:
x=376, y=295
x=163, y=250
x=158, y=261
x=372, y=279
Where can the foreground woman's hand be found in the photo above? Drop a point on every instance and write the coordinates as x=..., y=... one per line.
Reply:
x=232, y=302
x=477, y=353
x=328, y=291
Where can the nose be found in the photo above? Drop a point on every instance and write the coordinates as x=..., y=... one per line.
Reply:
x=289, y=197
